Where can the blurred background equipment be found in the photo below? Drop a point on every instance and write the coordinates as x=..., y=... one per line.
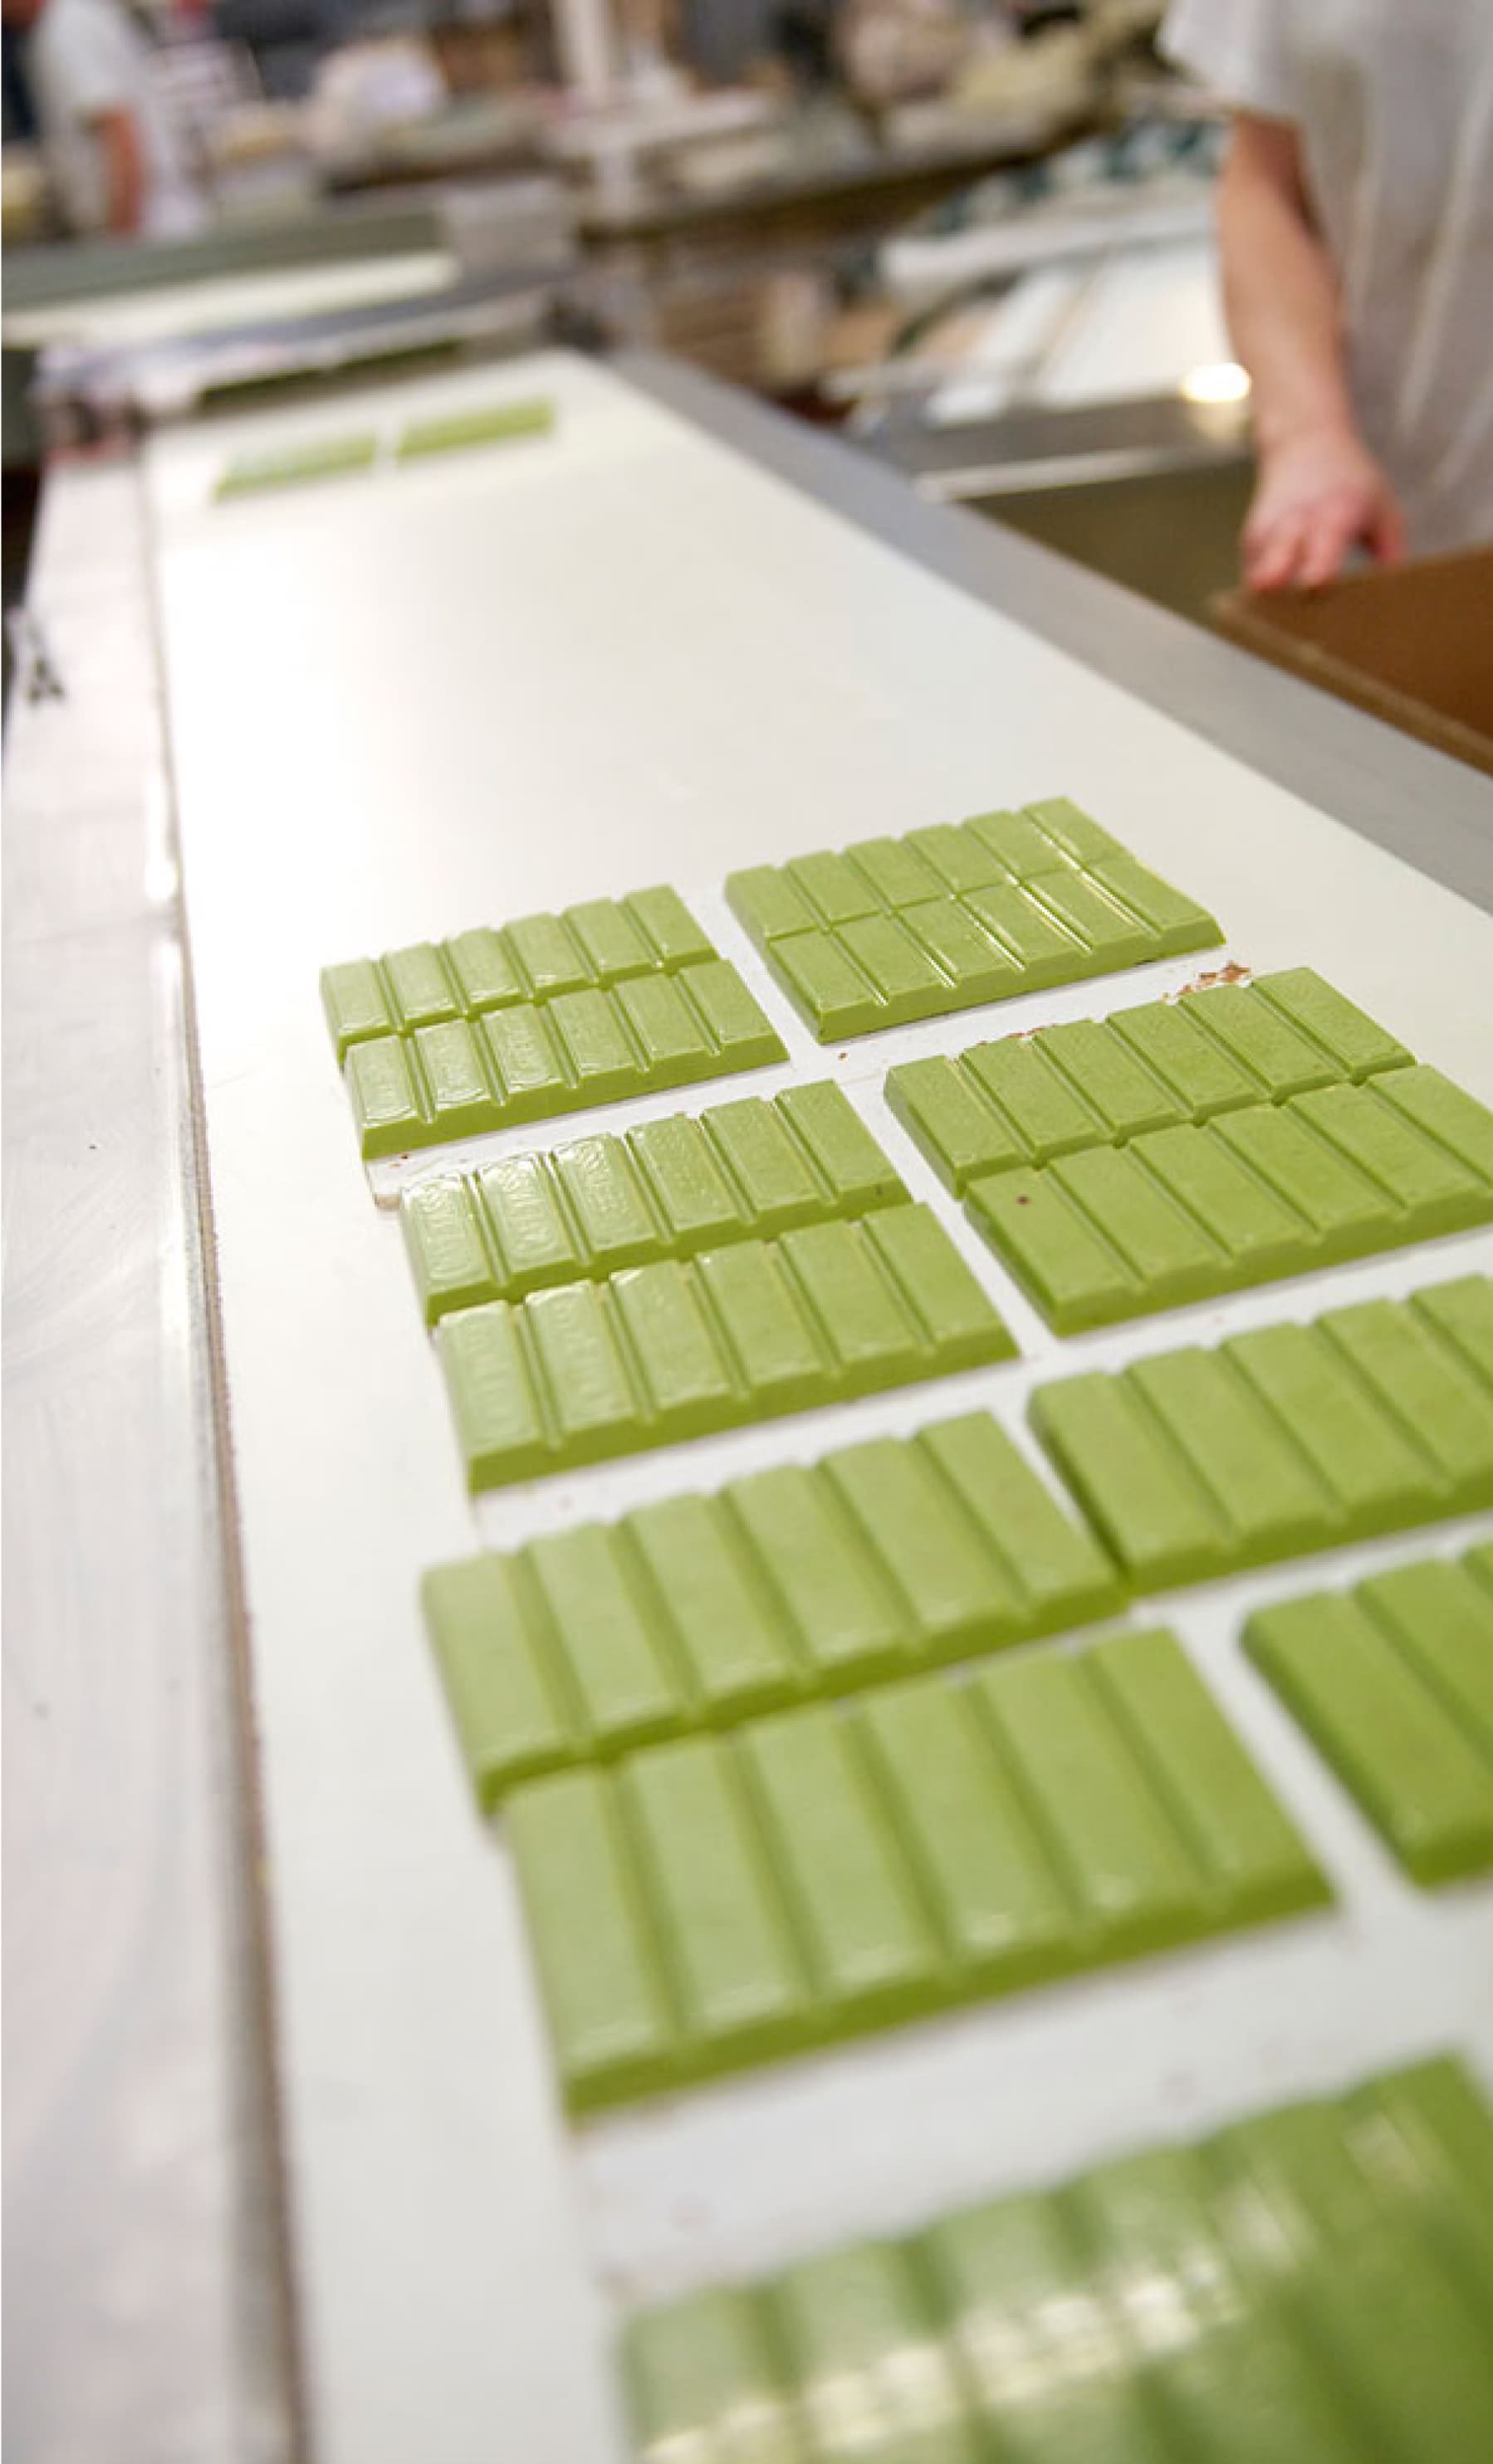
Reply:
x=1062, y=362
x=707, y=147
x=365, y=183
x=977, y=235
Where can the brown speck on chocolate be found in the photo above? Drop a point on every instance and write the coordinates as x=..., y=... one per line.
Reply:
x=1232, y=974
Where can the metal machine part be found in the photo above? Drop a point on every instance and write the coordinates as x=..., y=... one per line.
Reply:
x=125, y=336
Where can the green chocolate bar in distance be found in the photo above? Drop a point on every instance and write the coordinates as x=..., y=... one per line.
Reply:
x=330, y=459
x=497, y=425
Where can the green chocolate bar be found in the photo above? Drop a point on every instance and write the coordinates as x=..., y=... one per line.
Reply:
x=667, y=1189
x=330, y=459
x=644, y=1354
x=1187, y=1149
x=824, y=1871
x=1393, y=1681
x=792, y=1583
x=1311, y=2286
x=599, y=943
x=458, y=1077
x=1285, y=1439
x=951, y=916
x=498, y=425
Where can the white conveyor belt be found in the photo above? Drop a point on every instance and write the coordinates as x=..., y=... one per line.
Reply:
x=416, y=699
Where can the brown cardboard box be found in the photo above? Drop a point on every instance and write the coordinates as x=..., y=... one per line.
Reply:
x=1413, y=643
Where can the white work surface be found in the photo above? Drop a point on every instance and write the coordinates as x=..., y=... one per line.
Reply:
x=410, y=701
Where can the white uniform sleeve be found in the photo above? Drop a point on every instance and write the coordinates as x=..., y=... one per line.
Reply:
x=91, y=60
x=1237, y=49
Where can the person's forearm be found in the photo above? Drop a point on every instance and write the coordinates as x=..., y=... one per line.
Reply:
x=123, y=172
x=1279, y=296
x=1319, y=490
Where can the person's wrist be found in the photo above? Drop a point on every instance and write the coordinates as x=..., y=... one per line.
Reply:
x=1322, y=431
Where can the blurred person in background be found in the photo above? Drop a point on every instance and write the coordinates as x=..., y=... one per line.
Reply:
x=1355, y=225
x=111, y=147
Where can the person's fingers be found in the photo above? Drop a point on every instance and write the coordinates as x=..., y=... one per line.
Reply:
x=1263, y=521
x=1264, y=533
x=1386, y=534
x=1331, y=532
x=1272, y=561
x=1274, y=566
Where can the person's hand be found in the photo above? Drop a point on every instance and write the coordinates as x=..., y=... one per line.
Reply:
x=1317, y=497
